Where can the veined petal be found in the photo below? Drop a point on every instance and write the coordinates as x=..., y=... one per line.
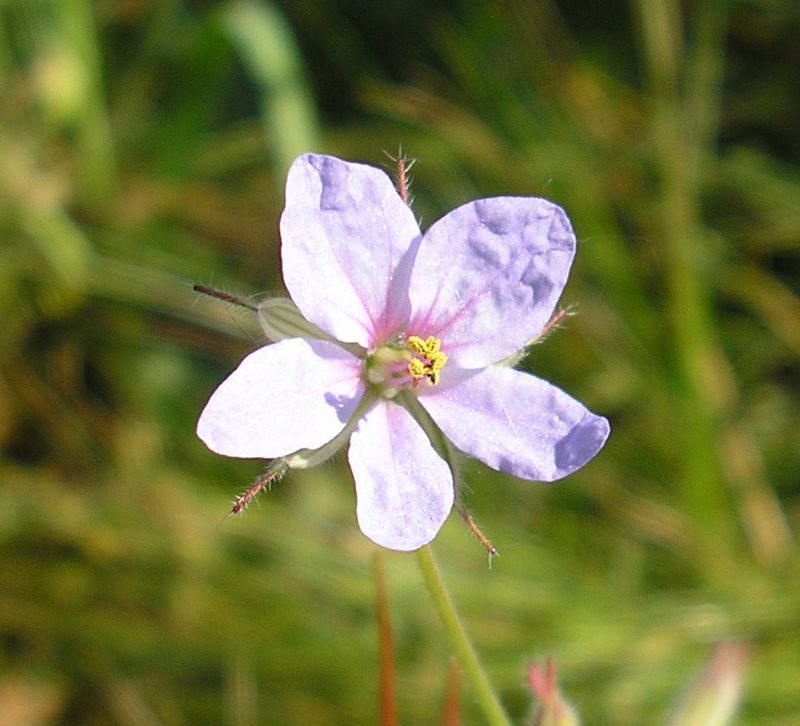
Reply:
x=487, y=277
x=517, y=423
x=404, y=488
x=348, y=242
x=295, y=394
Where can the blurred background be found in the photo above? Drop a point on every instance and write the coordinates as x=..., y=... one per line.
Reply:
x=144, y=146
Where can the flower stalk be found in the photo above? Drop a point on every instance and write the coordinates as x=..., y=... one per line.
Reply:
x=487, y=698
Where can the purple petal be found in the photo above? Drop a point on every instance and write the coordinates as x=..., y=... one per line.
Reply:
x=347, y=245
x=488, y=275
x=517, y=423
x=295, y=394
x=404, y=488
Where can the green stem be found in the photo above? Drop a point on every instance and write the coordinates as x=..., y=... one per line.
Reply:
x=495, y=715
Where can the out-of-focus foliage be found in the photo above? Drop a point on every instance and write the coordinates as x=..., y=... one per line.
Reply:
x=143, y=147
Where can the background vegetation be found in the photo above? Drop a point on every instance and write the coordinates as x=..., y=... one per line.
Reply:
x=143, y=147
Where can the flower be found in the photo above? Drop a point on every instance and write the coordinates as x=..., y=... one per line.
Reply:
x=403, y=336
x=553, y=708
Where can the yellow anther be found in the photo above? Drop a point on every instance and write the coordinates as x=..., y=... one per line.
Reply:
x=429, y=359
x=432, y=344
x=416, y=344
x=437, y=361
x=416, y=368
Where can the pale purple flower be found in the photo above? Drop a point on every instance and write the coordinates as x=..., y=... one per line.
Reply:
x=405, y=328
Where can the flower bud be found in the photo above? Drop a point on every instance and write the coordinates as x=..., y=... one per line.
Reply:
x=553, y=709
x=712, y=699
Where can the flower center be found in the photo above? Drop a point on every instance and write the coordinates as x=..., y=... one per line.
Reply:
x=404, y=363
x=429, y=359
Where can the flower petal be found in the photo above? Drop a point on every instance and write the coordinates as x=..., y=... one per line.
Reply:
x=488, y=275
x=517, y=423
x=404, y=488
x=295, y=394
x=348, y=242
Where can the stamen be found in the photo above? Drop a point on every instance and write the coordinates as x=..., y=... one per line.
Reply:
x=429, y=360
x=416, y=368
